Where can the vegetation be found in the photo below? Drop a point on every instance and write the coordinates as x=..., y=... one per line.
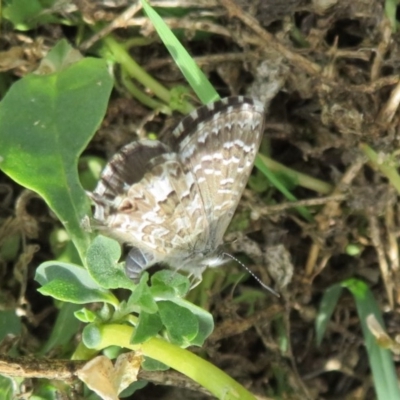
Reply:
x=319, y=219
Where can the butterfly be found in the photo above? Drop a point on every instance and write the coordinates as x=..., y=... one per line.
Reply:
x=172, y=202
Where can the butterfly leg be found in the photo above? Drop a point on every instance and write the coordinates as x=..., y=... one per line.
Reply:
x=196, y=280
x=195, y=277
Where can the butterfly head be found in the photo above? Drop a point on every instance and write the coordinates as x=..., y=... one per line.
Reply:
x=200, y=260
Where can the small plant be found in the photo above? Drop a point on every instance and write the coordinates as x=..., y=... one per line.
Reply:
x=40, y=148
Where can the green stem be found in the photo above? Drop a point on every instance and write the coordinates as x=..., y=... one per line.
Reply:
x=301, y=179
x=276, y=182
x=384, y=166
x=207, y=375
x=141, y=96
x=134, y=70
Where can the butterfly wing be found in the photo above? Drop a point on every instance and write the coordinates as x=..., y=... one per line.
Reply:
x=218, y=143
x=147, y=199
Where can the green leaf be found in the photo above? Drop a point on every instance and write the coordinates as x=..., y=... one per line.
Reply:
x=182, y=326
x=326, y=308
x=148, y=326
x=258, y=182
x=280, y=185
x=102, y=263
x=142, y=297
x=90, y=168
x=64, y=329
x=390, y=12
x=163, y=281
x=40, y=144
x=8, y=390
x=27, y=14
x=91, y=335
x=106, y=312
x=71, y=283
x=132, y=388
x=60, y=57
x=62, y=247
x=150, y=364
x=85, y=315
x=9, y=324
x=192, y=73
x=381, y=361
x=47, y=390
x=205, y=321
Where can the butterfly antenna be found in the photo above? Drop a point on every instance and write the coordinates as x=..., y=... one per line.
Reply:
x=253, y=275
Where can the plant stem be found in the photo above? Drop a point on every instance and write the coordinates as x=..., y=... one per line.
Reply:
x=207, y=375
x=301, y=179
x=384, y=166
